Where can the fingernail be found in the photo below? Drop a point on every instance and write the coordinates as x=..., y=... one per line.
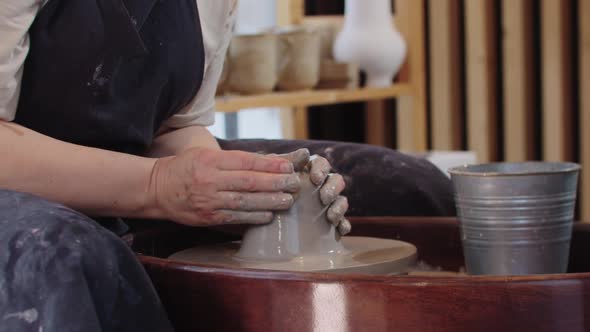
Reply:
x=266, y=217
x=327, y=195
x=318, y=178
x=284, y=202
x=292, y=183
x=286, y=167
x=344, y=227
x=334, y=216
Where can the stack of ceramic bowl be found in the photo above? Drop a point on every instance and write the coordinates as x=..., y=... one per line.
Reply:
x=277, y=59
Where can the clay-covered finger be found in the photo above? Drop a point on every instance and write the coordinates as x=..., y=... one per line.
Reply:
x=319, y=169
x=337, y=210
x=242, y=217
x=244, y=181
x=332, y=188
x=344, y=227
x=299, y=158
x=247, y=161
x=255, y=201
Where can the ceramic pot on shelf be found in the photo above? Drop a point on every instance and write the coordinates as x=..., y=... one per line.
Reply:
x=299, y=58
x=370, y=40
x=253, y=62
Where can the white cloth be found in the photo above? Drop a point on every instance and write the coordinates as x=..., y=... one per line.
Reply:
x=217, y=21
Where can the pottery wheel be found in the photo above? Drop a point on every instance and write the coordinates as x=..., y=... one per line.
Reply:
x=302, y=239
x=360, y=255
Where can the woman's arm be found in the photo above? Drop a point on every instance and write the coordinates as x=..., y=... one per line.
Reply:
x=94, y=181
x=200, y=186
x=176, y=141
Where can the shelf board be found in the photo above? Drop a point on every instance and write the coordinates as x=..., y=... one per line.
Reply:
x=234, y=103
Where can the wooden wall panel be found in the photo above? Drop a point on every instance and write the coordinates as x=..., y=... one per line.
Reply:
x=445, y=74
x=377, y=128
x=584, y=121
x=287, y=123
x=518, y=79
x=292, y=12
x=557, y=80
x=481, y=63
x=412, y=129
x=301, y=122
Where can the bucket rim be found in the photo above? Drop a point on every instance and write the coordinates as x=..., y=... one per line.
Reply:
x=551, y=167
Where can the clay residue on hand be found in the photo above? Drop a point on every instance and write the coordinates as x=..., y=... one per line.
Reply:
x=320, y=168
x=344, y=227
x=332, y=188
x=337, y=210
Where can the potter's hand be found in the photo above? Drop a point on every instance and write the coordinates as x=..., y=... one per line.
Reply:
x=332, y=185
x=203, y=187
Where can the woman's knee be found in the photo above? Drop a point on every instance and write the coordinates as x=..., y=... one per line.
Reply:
x=40, y=233
x=63, y=264
x=34, y=221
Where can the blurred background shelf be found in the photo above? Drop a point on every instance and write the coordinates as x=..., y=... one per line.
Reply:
x=507, y=80
x=233, y=103
x=377, y=111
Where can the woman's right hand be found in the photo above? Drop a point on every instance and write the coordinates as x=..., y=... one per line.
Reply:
x=206, y=187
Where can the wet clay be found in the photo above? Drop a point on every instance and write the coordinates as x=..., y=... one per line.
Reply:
x=302, y=239
x=303, y=229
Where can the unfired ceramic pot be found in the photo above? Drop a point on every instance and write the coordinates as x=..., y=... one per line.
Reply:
x=253, y=63
x=299, y=58
x=327, y=31
x=370, y=40
x=303, y=230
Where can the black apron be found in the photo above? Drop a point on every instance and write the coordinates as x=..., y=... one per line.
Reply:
x=108, y=73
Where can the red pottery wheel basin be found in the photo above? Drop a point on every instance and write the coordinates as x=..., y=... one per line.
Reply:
x=207, y=298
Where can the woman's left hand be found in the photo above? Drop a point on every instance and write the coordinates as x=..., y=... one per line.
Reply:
x=332, y=185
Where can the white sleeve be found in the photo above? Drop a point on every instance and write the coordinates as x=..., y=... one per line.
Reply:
x=16, y=17
x=217, y=21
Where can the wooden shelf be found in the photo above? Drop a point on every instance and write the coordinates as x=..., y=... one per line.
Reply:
x=234, y=103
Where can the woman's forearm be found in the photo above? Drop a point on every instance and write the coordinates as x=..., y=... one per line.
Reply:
x=175, y=142
x=96, y=182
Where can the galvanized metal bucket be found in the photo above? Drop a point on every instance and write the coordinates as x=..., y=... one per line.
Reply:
x=516, y=218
